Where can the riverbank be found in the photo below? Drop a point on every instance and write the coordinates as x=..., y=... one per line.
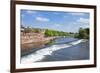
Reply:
x=34, y=38
x=75, y=50
x=31, y=41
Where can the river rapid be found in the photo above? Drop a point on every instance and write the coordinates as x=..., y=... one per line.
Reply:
x=60, y=49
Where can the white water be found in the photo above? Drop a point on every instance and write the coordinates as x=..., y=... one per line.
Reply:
x=40, y=54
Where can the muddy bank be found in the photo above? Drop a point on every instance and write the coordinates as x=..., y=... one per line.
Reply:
x=32, y=45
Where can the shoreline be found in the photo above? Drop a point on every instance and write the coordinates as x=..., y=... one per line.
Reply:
x=28, y=45
x=52, y=50
x=34, y=40
x=31, y=43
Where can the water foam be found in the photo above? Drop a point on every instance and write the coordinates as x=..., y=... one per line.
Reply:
x=40, y=54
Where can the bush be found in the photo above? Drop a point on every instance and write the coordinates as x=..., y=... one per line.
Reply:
x=83, y=33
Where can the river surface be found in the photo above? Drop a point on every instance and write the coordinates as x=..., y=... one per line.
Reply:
x=60, y=49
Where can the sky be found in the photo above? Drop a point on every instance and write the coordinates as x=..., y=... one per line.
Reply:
x=56, y=20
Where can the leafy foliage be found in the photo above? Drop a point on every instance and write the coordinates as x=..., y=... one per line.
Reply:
x=55, y=33
x=83, y=33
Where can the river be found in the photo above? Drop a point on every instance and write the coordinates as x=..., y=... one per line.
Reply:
x=60, y=49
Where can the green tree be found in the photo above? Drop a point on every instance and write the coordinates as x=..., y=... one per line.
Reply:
x=83, y=33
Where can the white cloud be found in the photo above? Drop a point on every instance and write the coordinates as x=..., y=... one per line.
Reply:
x=79, y=14
x=57, y=25
x=56, y=13
x=31, y=12
x=42, y=19
x=83, y=20
x=22, y=15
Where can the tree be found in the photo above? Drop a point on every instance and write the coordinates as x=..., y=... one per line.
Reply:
x=27, y=30
x=36, y=30
x=55, y=33
x=83, y=33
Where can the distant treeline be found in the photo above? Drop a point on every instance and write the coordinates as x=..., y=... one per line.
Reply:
x=82, y=34
x=47, y=32
x=55, y=33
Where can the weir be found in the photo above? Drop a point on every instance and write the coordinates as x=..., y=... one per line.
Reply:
x=42, y=53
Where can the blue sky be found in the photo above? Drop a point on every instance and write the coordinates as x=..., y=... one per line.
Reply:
x=56, y=20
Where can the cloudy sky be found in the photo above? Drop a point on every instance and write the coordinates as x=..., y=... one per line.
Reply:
x=56, y=20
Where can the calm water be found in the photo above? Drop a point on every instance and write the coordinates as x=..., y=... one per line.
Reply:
x=62, y=49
